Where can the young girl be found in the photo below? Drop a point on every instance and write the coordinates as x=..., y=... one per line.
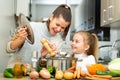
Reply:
x=84, y=46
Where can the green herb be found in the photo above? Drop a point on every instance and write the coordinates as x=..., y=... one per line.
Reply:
x=38, y=68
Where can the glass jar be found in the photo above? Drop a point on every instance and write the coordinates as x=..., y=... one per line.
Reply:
x=18, y=72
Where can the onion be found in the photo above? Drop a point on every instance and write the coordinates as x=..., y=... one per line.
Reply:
x=44, y=73
x=34, y=75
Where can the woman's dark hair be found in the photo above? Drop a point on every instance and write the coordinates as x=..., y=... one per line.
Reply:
x=65, y=11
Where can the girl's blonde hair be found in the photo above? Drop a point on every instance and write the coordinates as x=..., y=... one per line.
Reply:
x=90, y=39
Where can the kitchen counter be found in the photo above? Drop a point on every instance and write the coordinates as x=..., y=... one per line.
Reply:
x=3, y=78
x=28, y=78
x=23, y=78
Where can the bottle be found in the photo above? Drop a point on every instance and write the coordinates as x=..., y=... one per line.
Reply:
x=18, y=73
x=73, y=63
x=34, y=59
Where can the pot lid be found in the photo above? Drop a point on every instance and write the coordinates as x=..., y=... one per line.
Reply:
x=23, y=21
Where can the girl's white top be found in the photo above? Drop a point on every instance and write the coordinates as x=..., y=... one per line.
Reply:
x=84, y=60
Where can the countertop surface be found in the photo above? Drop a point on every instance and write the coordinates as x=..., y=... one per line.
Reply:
x=23, y=78
x=28, y=78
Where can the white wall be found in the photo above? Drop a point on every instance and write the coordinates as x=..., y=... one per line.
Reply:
x=22, y=6
x=115, y=33
x=6, y=22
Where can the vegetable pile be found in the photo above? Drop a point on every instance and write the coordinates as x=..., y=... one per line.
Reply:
x=95, y=71
x=113, y=69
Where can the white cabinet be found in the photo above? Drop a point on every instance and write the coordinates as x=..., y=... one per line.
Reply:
x=110, y=10
x=22, y=6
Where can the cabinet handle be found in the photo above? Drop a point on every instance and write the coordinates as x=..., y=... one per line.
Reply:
x=110, y=13
x=104, y=11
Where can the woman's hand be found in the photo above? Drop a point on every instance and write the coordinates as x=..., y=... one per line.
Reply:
x=19, y=38
x=44, y=51
x=53, y=46
x=22, y=33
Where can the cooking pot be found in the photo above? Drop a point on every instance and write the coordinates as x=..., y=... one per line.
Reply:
x=62, y=63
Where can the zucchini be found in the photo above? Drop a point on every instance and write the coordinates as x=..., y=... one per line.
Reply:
x=101, y=72
x=113, y=74
x=107, y=73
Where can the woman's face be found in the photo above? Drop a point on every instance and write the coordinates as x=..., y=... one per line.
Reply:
x=57, y=25
x=78, y=45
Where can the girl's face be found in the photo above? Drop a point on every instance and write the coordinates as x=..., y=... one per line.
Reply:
x=57, y=25
x=78, y=44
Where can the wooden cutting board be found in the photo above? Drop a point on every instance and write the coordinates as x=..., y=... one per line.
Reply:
x=113, y=78
x=116, y=78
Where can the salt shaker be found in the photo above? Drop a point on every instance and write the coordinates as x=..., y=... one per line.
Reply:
x=34, y=59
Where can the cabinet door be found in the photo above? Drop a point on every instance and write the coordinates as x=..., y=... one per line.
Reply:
x=116, y=10
x=104, y=12
x=111, y=10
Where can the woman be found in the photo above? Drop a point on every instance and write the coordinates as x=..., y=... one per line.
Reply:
x=54, y=30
